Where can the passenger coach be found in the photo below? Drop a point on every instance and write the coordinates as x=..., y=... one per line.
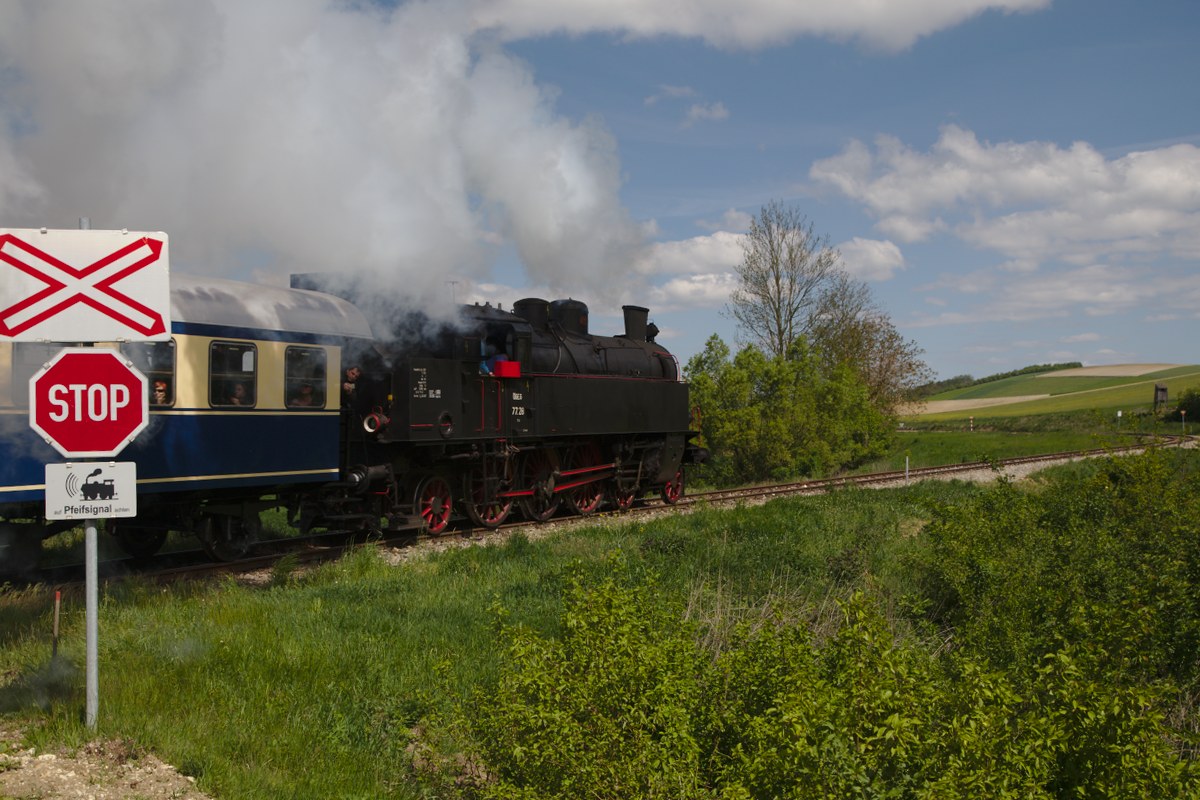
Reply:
x=244, y=412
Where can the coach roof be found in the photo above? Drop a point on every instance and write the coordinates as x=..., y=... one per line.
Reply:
x=219, y=301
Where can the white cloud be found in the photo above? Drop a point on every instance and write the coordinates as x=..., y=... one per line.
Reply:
x=1081, y=337
x=709, y=290
x=1096, y=291
x=696, y=112
x=717, y=253
x=714, y=112
x=731, y=220
x=1018, y=265
x=748, y=24
x=1029, y=201
x=871, y=259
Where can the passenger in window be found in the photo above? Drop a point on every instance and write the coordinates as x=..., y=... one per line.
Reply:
x=161, y=395
x=304, y=397
x=237, y=395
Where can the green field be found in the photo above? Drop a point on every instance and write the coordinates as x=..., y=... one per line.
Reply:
x=1022, y=385
x=1069, y=394
x=932, y=448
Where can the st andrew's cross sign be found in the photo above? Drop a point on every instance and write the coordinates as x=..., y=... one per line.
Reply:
x=84, y=286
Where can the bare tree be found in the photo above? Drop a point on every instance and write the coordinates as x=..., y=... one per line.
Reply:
x=848, y=328
x=784, y=271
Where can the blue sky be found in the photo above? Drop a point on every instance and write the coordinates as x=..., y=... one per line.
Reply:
x=1017, y=180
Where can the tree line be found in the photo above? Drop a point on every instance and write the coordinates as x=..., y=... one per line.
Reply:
x=821, y=371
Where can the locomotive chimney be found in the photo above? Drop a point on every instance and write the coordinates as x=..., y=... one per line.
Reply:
x=635, y=322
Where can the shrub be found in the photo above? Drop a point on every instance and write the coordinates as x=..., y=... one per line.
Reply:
x=1112, y=558
x=627, y=704
x=608, y=710
x=1189, y=404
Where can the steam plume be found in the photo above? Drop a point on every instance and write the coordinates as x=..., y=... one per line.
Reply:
x=306, y=136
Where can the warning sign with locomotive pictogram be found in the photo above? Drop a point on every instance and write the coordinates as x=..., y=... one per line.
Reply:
x=91, y=490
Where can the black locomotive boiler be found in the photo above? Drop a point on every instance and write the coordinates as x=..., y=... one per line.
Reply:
x=500, y=409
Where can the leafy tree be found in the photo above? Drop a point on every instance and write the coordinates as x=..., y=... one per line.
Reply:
x=1188, y=406
x=776, y=418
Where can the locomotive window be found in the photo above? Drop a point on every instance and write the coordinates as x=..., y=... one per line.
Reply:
x=304, y=377
x=28, y=358
x=155, y=360
x=232, y=374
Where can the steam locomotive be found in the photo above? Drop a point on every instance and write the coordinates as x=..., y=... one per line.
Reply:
x=286, y=398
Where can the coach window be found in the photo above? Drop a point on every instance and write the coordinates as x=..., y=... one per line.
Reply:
x=304, y=377
x=155, y=360
x=27, y=359
x=232, y=374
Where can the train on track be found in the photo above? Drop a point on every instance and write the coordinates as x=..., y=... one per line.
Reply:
x=271, y=397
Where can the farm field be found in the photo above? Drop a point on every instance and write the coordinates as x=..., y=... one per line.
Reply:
x=1059, y=392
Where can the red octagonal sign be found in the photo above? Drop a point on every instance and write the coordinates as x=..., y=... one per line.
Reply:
x=88, y=402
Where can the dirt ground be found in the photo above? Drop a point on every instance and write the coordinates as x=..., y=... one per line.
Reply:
x=937, y=406
x=112, y=770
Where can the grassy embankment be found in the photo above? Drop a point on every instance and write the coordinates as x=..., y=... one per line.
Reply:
x=309, y=687
x=332, y=683
x=348, y=681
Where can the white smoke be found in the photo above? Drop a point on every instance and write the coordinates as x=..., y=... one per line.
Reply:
x=303, y=136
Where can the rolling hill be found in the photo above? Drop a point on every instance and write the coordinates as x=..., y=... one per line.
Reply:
x=1119, y=386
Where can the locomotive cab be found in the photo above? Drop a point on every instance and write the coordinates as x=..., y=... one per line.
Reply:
x=452, y=387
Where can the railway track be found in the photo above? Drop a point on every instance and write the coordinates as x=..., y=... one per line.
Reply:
x=291, y=552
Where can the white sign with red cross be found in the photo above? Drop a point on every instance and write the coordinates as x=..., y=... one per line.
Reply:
x=88, y=402
x=84, y=286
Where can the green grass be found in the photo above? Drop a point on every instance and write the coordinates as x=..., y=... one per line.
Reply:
x=1131, y=398
x=931, y=448
x=309, y=688
x=315, y=685
x=1022, y=385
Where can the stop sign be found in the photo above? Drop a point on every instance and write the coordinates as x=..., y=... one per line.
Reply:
x=88, y=402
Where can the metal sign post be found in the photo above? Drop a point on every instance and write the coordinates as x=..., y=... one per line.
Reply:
x=86, y=286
